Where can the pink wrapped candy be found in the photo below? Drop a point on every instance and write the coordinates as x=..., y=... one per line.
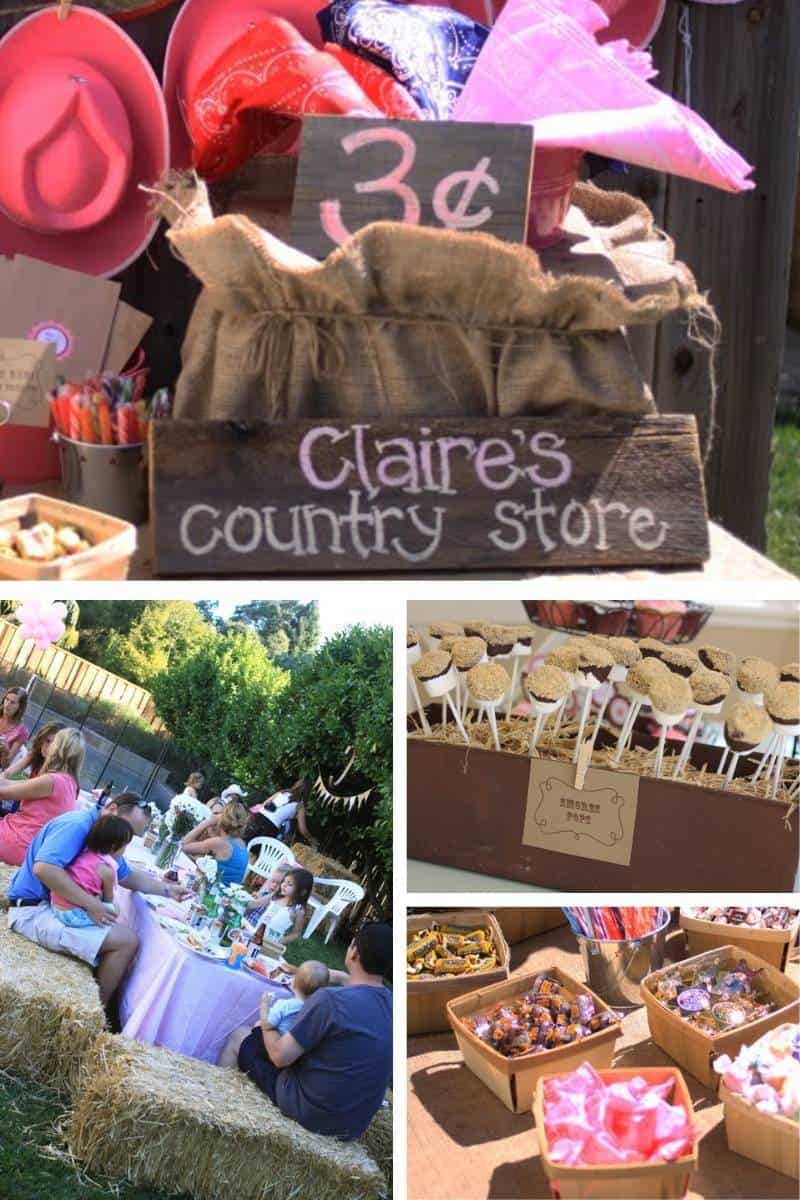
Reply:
x=631, y=1120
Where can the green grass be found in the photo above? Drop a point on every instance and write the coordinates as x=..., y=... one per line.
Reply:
x=314, y=947
x=31, y=1167
x=783, y=514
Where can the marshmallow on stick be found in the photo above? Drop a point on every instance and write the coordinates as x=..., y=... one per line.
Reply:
x=439, y=632
x=783, y=707
x=709, y=691
x=467, y=652
x=641, y=677
x=438, y=678
x=547, y=688
x=413, y=655
x=488, y=684
x=747, y=725
x=626, y=654
x=565, y=657
x=755, y=678
x=670, y=697
x=717, y=659
x=595, y=665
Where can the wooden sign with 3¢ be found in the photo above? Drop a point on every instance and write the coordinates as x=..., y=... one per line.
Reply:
x=450, y=175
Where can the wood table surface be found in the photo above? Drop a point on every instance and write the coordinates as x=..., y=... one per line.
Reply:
x=463, y=1144
x=731, y=561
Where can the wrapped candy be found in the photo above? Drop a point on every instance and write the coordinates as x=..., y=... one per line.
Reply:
x=767, y=1074
x=773, y=917
x=541, y=1019
x=715, y=996
x=589, y=1122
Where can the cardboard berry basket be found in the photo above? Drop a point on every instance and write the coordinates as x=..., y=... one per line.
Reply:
x=474, y=808
x=696, y=1050
x=620, y=1181
x=513, y=1080
x=772, y=945
x=108, y=557
x=519, y=924
x=426, y=999
x=768, y=1138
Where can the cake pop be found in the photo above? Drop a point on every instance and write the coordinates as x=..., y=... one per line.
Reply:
x=640, y=678
x=488, y=684
x=709, y=691
x=565, y=657
x=790, y=673
x=783, y=706
x=523, y=637
x=435, y=672
x=595, y=665
x=651, y=647
x=747, y=725
x=755, y=677
x=467, y=653
x=680, y=660
x=717, y=659
x=442, y=629
x=670, y=696
x=547, y=688
x=626, y=654
x=413, y=655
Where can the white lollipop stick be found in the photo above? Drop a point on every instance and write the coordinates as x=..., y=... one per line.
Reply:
x=627, y=726
x=514, y=677
x=490, y=709
x=723, y=760
x=729, y=774
x=541, y=717
x=691, y=737
x=418, y=702
x=559, y=718
x=778, y=771
x=449, y=700
x=768, y=755
x=662, y=741
x=599, y=720
x=584, y=714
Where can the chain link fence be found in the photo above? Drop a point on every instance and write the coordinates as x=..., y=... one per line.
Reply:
x=121, y=748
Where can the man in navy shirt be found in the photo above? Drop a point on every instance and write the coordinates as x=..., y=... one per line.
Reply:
x=331, y=1071
x=111, y=946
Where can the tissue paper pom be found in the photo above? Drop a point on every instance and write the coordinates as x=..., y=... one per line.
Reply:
x=42, y=620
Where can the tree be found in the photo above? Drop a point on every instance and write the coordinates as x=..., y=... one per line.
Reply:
x=209, y=611
x=100, y=620
x=162, y=635
x=288, y=628
x=218, y=703
x=339, y=702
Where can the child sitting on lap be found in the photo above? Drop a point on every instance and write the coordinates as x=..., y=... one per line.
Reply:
x=95, y=870
x=309, y=978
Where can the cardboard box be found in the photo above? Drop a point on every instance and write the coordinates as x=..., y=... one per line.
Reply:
x=426, y=999
x=772, y=945
x=623, y=1181
x=467, y=809
x=694, y=1049
x=112, y=541
x=513, y=1080
x=768, y=1138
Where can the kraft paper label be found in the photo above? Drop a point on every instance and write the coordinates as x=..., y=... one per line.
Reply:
x=597, y=821
x=27, y=374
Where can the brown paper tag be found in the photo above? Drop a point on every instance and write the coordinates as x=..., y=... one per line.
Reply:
x=597, y=821
x=27, y=374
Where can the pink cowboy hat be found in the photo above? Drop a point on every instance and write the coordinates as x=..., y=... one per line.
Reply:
x=82, y=124
x=203, y=29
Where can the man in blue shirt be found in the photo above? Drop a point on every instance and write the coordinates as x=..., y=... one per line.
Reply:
x=110, y=947
x=331, y=1071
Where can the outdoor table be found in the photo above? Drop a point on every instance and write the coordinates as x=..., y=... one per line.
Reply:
x=175, y=998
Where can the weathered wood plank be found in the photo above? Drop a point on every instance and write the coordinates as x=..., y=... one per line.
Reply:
x=308, y=498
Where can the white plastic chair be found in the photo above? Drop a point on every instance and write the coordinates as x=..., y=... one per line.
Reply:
x=270, y=852
x=346, y=893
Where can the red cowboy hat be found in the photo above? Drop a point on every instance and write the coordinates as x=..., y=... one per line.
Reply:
x=202, y=31
x=82, y=124
x=635, y=20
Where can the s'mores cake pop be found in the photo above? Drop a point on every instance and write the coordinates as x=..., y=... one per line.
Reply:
x=790, y=673
x=413, y=655
x=651, y=647
x=442, y=629
x=709, y=691
x=717, y=659
x=756, y=677
x=467, y=652
x=670, y=697
x=626, y=654
x=547, y=688
x=488, y=684
x=595, y=665
x=680, y=660
x=436, y=674
x=782, y=705
x=641, y=676
x=747, y=725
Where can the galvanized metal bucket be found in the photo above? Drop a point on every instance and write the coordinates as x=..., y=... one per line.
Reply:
x=615, y=968
x=110, y=479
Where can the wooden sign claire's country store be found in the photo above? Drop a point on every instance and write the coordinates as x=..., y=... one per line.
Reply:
x=333, y=497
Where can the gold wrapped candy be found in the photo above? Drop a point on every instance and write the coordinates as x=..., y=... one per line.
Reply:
x=448, y=950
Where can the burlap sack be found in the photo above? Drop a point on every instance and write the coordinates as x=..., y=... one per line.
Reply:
x=404, y=321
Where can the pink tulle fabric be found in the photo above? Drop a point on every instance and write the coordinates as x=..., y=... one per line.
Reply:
x=588, y=1122
x=543, y=64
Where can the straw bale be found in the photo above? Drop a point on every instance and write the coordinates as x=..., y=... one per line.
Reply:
x=6, y=875
x=160, y=1119
x=379, y=1139
x=320, y=866
x=51, y=1012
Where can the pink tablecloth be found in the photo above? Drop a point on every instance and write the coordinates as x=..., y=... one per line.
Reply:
x=178, y=999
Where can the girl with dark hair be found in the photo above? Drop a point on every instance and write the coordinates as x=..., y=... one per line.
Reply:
x=285, y=918
x=277, y=816
x=13, y=731
x=95, y=870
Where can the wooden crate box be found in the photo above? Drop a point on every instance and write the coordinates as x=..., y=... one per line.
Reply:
x=772, y=945
x=513, y=1080
x=426, y=999
x=620, y=1181
x=694, y=1049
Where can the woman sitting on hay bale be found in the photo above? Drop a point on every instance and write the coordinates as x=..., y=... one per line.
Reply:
x=331, y=1071
x=106, y=944
x=221, y=837
x=47, y=795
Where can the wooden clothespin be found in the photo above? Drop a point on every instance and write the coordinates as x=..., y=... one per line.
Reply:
x=63, y=9
x=584, y=758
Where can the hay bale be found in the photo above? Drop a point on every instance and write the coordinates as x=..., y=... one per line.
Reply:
x=320, y=865
x=379, y=1139
x=160, y=1119
x=6, y=875
x=51, y=1012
